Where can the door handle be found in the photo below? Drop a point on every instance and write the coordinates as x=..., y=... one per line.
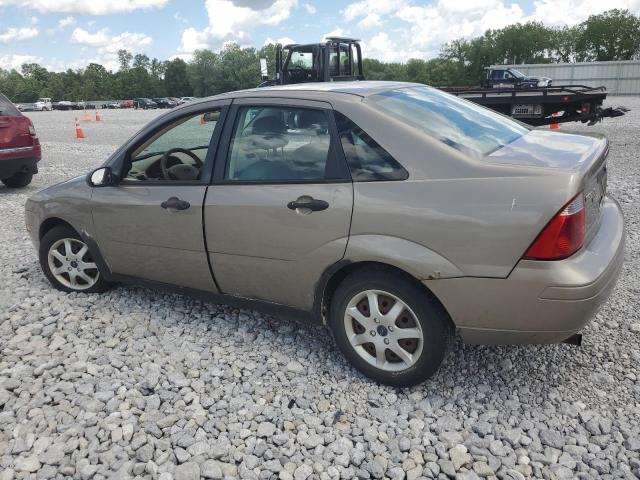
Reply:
x=174, y=203
x=312, y=204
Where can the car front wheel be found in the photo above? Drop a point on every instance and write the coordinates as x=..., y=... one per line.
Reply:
x=68, y=263
x=389, y=327
x=18, y=180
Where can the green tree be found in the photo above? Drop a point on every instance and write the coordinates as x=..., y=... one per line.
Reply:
x=176, y=81
x=612, y=35
x=124, y=58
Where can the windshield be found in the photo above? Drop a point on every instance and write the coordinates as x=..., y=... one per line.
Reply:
x=517, y=73
x=460, y=124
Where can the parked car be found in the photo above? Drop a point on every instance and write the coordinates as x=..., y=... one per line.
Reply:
x=43, y=104
x=64, y=105
x=394, y=212
x=163, y=102
x=144, y=103
x=126, y=104
x=508, y=77
x=113, y=104
x=19, y=146
x=184, y=100
x=24, y=107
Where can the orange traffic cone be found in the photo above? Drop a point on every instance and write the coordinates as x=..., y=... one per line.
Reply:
x=554, y=126
x=87, y=117
x=79, y=132
x=98, y=117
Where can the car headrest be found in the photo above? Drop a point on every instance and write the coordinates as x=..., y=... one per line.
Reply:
x=269, y=125
x=309, y=118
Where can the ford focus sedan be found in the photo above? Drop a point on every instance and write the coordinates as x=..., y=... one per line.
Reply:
x=394, y=213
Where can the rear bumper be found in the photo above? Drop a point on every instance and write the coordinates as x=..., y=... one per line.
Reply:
x=25, y=160
x=540, y=302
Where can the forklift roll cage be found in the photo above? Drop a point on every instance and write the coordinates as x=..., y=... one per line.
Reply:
x=337, y=59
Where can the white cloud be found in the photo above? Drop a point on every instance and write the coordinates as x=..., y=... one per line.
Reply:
x=99, y=39
x=425, y=28
x=179, y=18
x=10, y=61
x=107, y=45
x=370, y=21
x=571, y=12
x=88, y=7
x=281, y=41
x=311, y=10
x=18, y=34
x=230, y=20
x=336, y=32
x=66, y=22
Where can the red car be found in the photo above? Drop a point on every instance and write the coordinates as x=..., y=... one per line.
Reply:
x=126, y=104
x=19, y=146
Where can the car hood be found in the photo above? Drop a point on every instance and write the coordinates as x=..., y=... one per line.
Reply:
x=540, y=148
x=534, y=79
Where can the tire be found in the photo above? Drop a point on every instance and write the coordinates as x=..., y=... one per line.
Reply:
x=60, y=239
x=18, y=180
x=423, y=323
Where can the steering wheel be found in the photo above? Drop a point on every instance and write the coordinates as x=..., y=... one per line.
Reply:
x=181, y=171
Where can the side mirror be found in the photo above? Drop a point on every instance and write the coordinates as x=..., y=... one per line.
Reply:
x=210, y=117
x=101, y=177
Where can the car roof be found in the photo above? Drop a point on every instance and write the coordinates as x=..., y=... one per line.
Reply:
x=318, y=91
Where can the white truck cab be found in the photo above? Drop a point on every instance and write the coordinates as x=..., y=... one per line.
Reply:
x=43, y=104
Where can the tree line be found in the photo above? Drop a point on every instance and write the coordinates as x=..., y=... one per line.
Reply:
x=613, y=35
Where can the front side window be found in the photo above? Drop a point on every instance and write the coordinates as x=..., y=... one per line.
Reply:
x=272, y=144
x=177, y=152
x=462, y=125
x=367, y=160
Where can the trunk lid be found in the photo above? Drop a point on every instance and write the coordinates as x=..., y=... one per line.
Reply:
x=583, y=154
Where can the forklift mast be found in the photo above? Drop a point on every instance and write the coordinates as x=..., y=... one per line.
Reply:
x=337, y=59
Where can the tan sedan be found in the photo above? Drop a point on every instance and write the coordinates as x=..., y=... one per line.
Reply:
x=393, y=212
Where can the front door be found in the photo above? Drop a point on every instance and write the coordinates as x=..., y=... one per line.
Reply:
x=150, y=224
x=279, y=211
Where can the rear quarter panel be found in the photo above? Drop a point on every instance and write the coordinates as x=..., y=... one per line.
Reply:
x=471, y=217
x=465, y=227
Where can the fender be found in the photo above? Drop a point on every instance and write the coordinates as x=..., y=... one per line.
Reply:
x=413, y=258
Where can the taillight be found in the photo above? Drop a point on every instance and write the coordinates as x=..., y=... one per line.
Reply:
x=563, y=235
x=32, y=130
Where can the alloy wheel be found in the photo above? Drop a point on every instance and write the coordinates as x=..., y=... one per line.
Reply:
x=71, y=264
x=383, y=330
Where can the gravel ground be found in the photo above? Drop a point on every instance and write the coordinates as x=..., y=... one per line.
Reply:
x=137, y=383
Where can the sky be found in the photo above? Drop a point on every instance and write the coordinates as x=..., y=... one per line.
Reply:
x=62, y=34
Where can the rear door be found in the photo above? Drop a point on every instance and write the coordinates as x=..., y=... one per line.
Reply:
x=279, y=210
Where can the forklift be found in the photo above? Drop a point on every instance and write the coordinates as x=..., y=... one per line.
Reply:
x=337, y=59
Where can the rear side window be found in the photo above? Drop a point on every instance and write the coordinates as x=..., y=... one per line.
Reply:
x=368, y=161
x=7, y=108
x=465, y=126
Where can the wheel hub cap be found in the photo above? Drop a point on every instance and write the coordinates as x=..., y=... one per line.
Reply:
x=70, y=263
x=383, y=330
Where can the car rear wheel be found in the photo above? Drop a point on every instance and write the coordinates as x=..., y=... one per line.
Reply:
x=18, y=180
x=389, y=328
x=68, y=262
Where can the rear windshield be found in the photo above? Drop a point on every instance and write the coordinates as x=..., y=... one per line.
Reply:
x=460, y=124
x=7, y=108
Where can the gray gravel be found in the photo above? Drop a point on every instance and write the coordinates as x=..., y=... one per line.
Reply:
x=137, y=383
